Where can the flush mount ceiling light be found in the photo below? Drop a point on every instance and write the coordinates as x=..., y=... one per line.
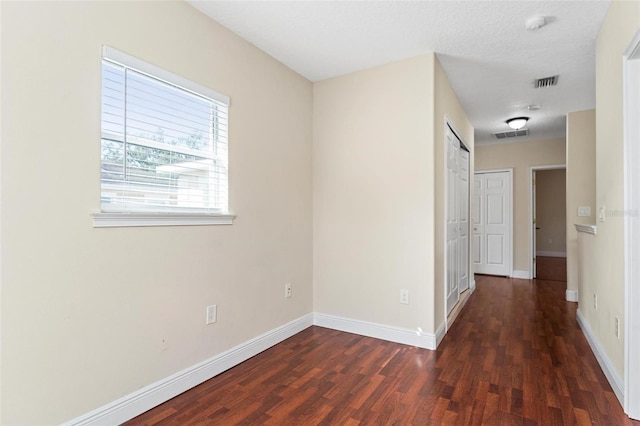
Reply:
x=517, y=123
x=535, y=23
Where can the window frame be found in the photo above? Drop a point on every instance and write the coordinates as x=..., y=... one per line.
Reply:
x=114, y=217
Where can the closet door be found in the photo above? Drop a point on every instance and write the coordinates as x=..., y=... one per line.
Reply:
x=463, y=220
x=452, y=248
x=457, y=219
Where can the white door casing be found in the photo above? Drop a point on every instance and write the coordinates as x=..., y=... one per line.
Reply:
x=534, y=225
x=492, y=223
x=532, y=212
x=631, y=89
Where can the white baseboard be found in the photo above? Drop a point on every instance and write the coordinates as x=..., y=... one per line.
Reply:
x=473, y=286
x=379, y=331
x=150, y=396
x=441, y=331
x=524, y=275
x=453, y=315
x=605, y=363
x=551, y=253
x=571, y=295
x=136, y=403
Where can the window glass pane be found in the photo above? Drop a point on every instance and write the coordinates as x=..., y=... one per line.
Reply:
x=112, y=160
x=163, y=147
x=113, y=99
x=163, y=113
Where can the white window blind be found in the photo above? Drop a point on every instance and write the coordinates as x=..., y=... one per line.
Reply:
x=164, y=141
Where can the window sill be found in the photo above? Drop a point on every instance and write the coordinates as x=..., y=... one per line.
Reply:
x=117, y=220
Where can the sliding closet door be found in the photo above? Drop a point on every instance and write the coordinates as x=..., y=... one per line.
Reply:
x=457, y=219
x=452, y=250
x=463, y=221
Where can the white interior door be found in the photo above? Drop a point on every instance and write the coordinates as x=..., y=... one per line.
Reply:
x=457, y=219
x=534, y=240
x=452, y=249
x=632, y=228
x=463, y=221
x=492, y=223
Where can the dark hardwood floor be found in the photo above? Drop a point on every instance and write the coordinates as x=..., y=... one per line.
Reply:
x=514, y=356
x=551, y=268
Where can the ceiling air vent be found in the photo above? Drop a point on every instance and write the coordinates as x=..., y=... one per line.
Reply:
x=511, y=134
x=546, y=81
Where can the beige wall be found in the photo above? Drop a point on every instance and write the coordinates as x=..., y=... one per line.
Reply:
x=520, y=156
x=90, y=315
x=447, y=107
x=551, y=212
x=581, y=182
x=372, y=187
x=605, y=275
x=378, y=160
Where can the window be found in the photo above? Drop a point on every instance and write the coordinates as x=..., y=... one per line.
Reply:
x=164, y=145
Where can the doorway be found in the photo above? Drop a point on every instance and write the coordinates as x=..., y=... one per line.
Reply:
x=550, y=224
x=533, y=240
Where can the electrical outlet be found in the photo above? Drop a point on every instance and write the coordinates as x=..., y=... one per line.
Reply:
x=287, y=290
x=404, y=297
x=584, y=211
x=602, y=216
x=595, y=302
x=616, y=326
x=212, y=314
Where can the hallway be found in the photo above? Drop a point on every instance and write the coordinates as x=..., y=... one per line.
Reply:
x=515, y=355
x=551, y=268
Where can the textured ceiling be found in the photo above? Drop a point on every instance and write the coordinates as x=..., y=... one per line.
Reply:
x=488, y=55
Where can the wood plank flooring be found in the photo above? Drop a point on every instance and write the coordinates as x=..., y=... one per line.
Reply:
x=551, y=268
x=514, y=356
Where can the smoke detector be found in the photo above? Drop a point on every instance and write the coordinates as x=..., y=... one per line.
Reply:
x=535, y=23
